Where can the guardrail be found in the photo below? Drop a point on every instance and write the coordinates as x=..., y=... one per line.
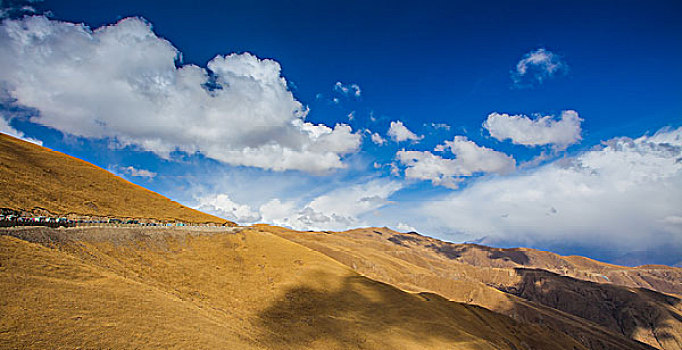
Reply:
x=63, y=222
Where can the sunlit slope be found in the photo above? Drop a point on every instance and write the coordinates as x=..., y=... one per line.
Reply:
x=513, y=282
x=184, y=289
x=33, y=177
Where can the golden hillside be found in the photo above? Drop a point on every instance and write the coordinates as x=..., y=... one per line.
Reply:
x=34, y=177
x=272, y=288
x=222, y=289
x=531, y=286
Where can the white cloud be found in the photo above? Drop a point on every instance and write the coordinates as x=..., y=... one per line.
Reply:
x=395, y=170
x=132, y=171
x=624, y=196
x=428, y=166
x=440, y=126
x=356, y=90
x=478, y=159
x=121, y=82
x=523, y=130
x=377, y=139
x=349, y=89
x=222, y=206
x=398, y=132
x=470, y=159
x=17, y=8
x=536, y=66
x=402, y=227
x=673, y=219
x=339, y=209
x=6, y=128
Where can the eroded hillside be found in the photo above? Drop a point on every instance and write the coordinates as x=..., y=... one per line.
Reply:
x=222, y=288
x=597, y=304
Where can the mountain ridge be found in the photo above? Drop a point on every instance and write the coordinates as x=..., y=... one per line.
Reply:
x=268, y=287
x=508, y=282
x=222, y=288
x=38, y=180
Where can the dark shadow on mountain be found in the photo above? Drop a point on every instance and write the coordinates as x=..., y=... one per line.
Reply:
x=401, y=239
x=618, y=309
x=516, y=256
x=450, y=251
x=454, y=251
x=361, y=307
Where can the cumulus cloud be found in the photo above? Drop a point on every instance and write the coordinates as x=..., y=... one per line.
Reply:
x=349, y=89
x=222, y=206
x=470, y=159
x=627, y=195
x=398, y=132
x=537, y=66
x=339, y=209
x=546, y=130
x=123, y=83
x=428, y=166
x=6, y=128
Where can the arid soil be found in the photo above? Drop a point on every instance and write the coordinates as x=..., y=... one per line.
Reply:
x=34, y=178
x=267, y=287
x=595, y=303
x=223, y=289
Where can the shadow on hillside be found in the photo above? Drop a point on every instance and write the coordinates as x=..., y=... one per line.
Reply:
x=453, y=251
x=618, y=309
x=401, y=239
x=516, y=256
x=362, y=307
x=450, y=251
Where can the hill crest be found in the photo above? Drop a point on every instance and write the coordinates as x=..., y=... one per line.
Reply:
x=39, y=180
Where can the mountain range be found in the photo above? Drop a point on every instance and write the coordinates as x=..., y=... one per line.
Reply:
x=213, y=284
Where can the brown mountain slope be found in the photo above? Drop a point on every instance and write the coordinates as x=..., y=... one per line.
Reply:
x=660, y=278
x=220, y=289
x=34, y=177
x=247, y=288
x=511, y=281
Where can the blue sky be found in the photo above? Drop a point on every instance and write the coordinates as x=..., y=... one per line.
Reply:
x=553, y=125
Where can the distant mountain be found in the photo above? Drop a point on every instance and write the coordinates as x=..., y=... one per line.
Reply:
x=36, y=179
x=670, y=257
x=597, y=304
x=222, y=288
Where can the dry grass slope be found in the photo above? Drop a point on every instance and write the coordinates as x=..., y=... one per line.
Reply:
x=519, y=283
x=34, y=177
x=272, y=288
x=248, y=289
